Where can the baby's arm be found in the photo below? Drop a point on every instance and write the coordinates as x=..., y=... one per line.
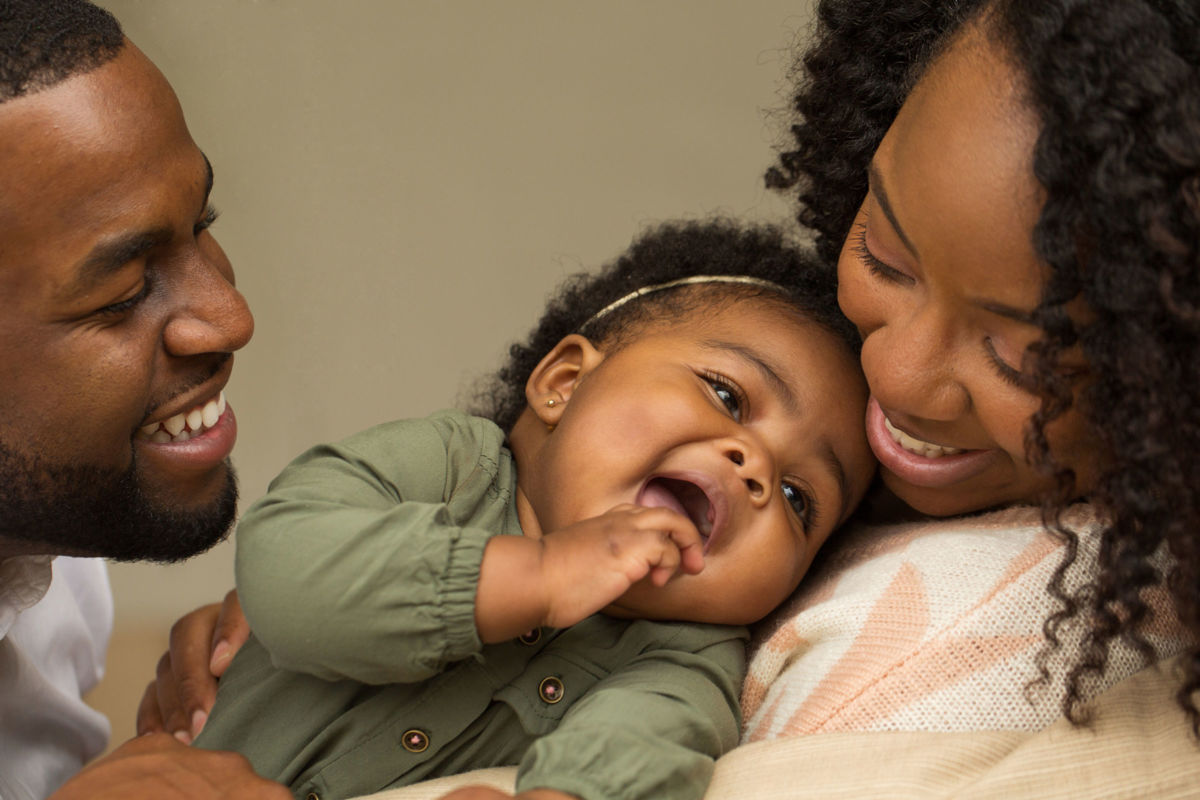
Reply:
x=567, y=575
x=353, y=565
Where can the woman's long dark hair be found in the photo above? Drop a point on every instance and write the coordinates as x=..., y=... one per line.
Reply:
x=1116, y=85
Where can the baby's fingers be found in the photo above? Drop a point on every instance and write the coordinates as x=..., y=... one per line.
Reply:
x=691, y=554
x=687, y=541
x=666, y=562
x=682, y=545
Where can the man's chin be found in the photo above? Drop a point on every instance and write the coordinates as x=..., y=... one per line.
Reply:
x=90, y=511
x=168, y=534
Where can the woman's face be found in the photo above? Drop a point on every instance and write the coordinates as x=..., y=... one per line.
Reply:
x=940, y=275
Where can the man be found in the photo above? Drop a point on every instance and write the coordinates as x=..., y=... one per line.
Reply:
x=118, y=320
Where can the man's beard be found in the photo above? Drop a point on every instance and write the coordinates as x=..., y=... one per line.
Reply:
x=92, y=511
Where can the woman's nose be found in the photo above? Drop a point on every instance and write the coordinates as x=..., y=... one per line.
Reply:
x=210, y=316
x=912, y=366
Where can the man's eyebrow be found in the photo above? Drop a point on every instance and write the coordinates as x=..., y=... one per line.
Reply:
x=764, y=368
x=875, y=180
x=108, y=257
x=208, y=180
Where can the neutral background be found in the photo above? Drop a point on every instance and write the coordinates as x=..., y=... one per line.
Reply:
x=401, y=183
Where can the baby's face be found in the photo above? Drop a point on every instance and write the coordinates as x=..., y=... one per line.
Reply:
x=747, y=419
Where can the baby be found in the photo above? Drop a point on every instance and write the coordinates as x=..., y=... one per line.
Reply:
x=561, y=586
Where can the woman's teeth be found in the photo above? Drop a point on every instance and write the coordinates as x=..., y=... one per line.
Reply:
x=912, y=445
x=184, y=426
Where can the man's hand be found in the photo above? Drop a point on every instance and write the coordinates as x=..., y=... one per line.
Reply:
x=570, y=574
x=202, y=644
x=158, y=767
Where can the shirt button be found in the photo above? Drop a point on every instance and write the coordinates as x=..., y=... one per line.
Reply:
x=551, y=690
x=415, y=740
x=530, y=637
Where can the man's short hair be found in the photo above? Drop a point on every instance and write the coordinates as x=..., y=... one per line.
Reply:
x=43, y=42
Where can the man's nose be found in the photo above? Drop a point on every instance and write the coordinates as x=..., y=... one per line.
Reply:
x=210, y=314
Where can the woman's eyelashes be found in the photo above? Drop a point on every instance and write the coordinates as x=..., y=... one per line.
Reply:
x=877, y=266
x=1006, y=371
x=728, y=393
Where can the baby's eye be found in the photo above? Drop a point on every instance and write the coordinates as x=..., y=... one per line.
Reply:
x=728, y=396
x=800, y=502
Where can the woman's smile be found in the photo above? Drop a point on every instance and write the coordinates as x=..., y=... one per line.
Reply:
x=921, y=463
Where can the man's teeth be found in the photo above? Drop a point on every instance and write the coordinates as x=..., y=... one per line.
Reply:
x=184, y=426
x=912, y=445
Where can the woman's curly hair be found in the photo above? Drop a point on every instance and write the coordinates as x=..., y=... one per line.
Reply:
x=664, y=253
x=1116, y=85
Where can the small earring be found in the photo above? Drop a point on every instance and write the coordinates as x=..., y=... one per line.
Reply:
x=551, y=403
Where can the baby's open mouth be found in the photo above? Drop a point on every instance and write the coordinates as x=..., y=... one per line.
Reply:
x=683, y=496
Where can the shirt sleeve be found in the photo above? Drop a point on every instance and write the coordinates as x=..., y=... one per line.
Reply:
x=354, y=566
x=653, y=729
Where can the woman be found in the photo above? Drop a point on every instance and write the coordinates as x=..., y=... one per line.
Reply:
x=1011, y=193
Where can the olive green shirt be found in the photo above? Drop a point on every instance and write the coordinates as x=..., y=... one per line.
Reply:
x=357, y=572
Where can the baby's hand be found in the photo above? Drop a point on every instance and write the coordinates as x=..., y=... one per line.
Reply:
x=588, y=565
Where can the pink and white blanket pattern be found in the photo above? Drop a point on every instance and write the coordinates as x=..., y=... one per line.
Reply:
x=933, y=626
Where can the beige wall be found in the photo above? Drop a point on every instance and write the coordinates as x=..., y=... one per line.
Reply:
x=402, y=182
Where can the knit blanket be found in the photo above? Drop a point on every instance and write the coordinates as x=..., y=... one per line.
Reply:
x=932, y=626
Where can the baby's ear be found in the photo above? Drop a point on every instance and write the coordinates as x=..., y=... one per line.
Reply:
x=554, y=379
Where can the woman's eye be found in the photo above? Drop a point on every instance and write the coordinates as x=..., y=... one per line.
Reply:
x=877, y=266
x=1007, y=372
x=800, y=502
x=728, y=397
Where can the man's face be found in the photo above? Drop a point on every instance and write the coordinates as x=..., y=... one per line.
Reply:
x=118, y=315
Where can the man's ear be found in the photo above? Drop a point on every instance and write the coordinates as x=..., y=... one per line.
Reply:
x=554, y=379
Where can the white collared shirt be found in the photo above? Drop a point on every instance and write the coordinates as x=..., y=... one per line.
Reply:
x=53, y=638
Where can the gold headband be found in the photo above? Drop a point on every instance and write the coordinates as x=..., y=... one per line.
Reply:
x=658, y=287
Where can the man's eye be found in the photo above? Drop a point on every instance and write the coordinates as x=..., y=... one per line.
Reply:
x=118, y=308
x=801, y=503
x=206, y=221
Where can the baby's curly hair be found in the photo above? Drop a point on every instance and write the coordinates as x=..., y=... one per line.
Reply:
x=664, y=253
x=1116, y=85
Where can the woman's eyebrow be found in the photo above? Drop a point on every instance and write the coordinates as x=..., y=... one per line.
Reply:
x=1011, y=312
x=875, y=182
